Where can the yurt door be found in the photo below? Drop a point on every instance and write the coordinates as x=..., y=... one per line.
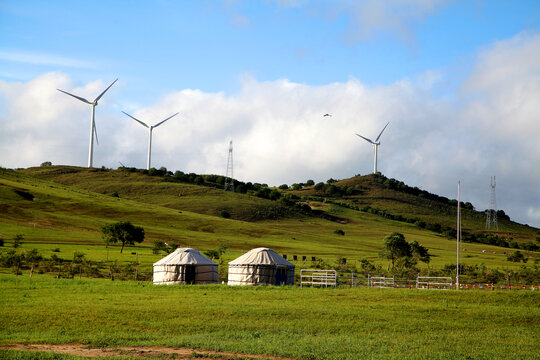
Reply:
x=190, y=274
x=281, y=276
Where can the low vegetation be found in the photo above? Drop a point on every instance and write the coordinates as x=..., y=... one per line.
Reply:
x=291, y=322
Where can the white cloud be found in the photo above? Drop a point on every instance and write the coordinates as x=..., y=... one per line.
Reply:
x=280, y=134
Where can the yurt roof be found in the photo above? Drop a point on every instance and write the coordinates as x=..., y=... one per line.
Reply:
x=261, y=256
x=185, y=256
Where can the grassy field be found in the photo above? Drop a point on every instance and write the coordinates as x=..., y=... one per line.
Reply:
x=283, y=321
x=57, y=216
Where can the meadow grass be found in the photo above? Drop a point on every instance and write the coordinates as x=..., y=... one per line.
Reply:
x=282, y=321
x=70, y=219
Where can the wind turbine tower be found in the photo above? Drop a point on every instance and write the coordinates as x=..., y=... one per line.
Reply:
x=491, y=213
x=229, y=181
x=150, y=128
x=376, y=144
x=93, y=130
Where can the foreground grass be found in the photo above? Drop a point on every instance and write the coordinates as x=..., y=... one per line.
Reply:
x=292, y=322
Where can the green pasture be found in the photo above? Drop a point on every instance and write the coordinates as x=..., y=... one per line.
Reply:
x=306, y=323
x=69, y=219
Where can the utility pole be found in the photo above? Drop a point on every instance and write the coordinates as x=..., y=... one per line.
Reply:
x=458, y=235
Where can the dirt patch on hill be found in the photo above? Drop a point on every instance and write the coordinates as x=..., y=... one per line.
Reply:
x=138, y=351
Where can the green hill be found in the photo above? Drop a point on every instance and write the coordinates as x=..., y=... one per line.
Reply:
x=64, y=208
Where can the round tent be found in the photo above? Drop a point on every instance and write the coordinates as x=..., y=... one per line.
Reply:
x=261, y=266
x=185, y=266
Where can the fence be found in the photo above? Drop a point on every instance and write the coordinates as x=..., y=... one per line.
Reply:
x=321, y=278
x=381, y=282
x=433, y=283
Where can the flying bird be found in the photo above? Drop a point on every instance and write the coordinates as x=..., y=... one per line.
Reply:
x=326, y=115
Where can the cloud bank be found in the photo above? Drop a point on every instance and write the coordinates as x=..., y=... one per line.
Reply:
x=488, y=126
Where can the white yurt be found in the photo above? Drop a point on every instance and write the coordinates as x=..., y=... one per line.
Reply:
x=261, y=266
x=185, y=266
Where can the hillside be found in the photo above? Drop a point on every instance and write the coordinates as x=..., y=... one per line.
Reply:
x=164, y=191
x=370, y=193
x=393, y=199
x=65, y=207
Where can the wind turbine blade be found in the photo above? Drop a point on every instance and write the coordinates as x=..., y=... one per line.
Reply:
x=368, y=140
x=104, y=91
x=382, y=131
x=95, y=132
x=76, y=97
x=137, y=120
x=155, y=126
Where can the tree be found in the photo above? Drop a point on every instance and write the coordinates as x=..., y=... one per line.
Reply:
x=124, y=232
x=17, y=240
x=517, y=256
x=46, y=163
x=319, y=186
x=395, y=247
x=419, y=252
x=310, y=182
x=32, y=257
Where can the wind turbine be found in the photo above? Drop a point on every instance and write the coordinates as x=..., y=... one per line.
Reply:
x=376, y=144
x=93, y=130
x=150, y=128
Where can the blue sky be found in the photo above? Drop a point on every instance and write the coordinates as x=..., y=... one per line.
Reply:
x=458, y=81
x=210, y=45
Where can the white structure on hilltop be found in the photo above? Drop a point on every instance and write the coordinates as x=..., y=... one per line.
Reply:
x=185, y=266
x=150, y=128
x=93, y=130
x=261, y=266
x=491, y=213
x=376, y=144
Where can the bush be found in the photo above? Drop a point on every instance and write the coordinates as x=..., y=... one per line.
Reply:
x=283, y=187
x=339, y=232
x=224, y=214
x=1, y=241
x=516, y=256
x=17, y=240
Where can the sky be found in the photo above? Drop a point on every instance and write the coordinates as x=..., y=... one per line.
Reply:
x=458, y=81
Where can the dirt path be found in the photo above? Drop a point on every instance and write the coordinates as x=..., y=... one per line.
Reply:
x=137, y=351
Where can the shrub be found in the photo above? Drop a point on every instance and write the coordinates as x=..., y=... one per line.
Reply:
x=17, y=240
x=225, y=214
x=516, y=256
x=339, y=232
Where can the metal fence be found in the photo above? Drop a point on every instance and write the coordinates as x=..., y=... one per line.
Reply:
x=434, y=283
x=320, y=278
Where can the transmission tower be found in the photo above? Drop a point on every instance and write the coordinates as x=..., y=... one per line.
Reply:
x=229, y=181
x=491, y=212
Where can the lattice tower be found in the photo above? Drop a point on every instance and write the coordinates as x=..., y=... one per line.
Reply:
x=491, y=212
x=229, y=181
